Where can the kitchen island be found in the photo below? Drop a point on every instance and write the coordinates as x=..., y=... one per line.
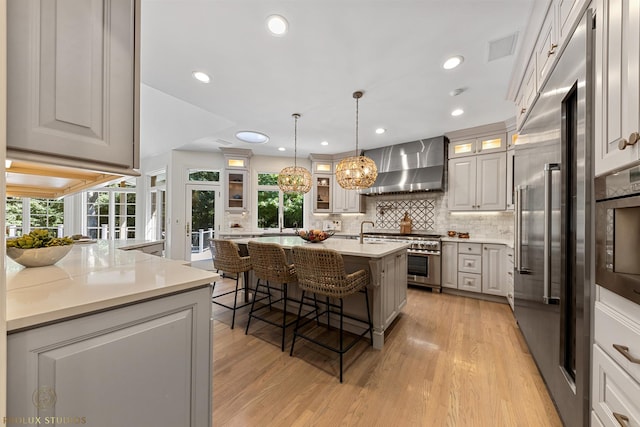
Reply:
x=387, y=265
x=114, y=337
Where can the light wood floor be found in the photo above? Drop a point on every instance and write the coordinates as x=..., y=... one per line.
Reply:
x=447, y=361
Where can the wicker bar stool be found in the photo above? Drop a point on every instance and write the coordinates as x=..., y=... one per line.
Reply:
x=228, y=260
x=270, y=266
x=321, y=271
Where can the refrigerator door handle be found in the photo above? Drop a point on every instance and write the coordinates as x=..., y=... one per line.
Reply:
x=518, y=231
x=549, y=168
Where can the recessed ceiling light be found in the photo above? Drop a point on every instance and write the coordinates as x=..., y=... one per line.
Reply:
x=452, y=62
x=380, y=131
x=281, y=149
x=277, y=25
x=202, y=77
x=457, y=112
x=252, y=137
x=324, y=143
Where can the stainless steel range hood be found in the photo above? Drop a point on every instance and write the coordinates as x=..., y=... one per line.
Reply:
x=408, y=167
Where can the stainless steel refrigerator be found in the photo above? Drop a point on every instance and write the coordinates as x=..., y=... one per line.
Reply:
x=553, y=174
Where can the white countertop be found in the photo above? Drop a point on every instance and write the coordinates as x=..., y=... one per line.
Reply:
x=92, y=277
x=490, y=240
x=344, y=246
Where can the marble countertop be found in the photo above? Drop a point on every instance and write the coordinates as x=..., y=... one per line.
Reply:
x=507, y=242
x=344, y=246
x=92, y=277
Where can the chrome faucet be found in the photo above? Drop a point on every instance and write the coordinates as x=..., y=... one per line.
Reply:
x=361, y=226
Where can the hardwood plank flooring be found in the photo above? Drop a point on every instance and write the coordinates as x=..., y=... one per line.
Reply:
x=447, y=361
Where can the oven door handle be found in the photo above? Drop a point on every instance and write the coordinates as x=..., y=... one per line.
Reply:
x=549, y=168
x=423, y=253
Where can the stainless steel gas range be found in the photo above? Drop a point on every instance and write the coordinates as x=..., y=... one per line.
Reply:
x=423, y=256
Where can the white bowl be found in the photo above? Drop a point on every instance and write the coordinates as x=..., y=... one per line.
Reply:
x=38, y=257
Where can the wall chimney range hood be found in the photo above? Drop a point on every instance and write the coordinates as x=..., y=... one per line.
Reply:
x=409, y=167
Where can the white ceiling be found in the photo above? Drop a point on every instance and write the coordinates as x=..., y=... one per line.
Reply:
x=392, y=50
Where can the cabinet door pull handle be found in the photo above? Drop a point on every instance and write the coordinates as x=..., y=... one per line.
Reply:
x=623, y=420
x=523, y=110
x=624, y=350
x=624, y=143
x=552, y=50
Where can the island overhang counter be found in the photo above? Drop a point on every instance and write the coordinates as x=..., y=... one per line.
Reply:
x=387, y=265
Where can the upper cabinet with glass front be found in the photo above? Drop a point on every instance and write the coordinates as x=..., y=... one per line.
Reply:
x=322, y=193
x=478, y=145
x=73, y=83
x=236, y=183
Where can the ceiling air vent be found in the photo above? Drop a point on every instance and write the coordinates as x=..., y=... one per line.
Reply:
x=502, y=47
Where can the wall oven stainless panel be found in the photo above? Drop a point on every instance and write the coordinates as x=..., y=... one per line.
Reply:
x=618, y=233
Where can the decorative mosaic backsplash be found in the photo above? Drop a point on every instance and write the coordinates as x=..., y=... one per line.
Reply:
x=390, y=212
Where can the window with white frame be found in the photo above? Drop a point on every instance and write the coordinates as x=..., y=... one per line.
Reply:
x=111, y=212
x=23, y=214
x=157, y=220
x=277, y=209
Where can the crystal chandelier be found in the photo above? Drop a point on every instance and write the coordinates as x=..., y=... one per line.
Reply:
x=356, y=172
x=295, y=179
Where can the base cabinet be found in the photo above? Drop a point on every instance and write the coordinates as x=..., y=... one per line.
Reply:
x=615, y=370
x=494, y=269
x=147, y=364
x=475, y=267
x=449, y=274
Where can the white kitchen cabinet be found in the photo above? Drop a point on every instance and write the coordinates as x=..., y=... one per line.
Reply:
x=510, y=190
x=509, y=278
x=615, y=369
x=494, y=269
x=527, y=93
x=449, y=276
x=322, y=193
x=470, y=267
x=617, y=84
x=236, y=190
x=393, y=295
x=477, y=145
x=346, y=201
x=73, y=83
x=146, y=364
x=546, y=49
x=478, y=182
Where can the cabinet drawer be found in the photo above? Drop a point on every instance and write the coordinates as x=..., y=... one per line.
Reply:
x=470, y=282
x=615, y=393
x=470, y=263
x=612, y=328
x=470, y=248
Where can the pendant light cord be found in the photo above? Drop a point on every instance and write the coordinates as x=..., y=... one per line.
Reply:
x=295, y=140
x=357, y=115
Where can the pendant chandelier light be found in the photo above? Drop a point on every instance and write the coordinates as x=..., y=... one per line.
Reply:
x=356, y=172
x=295, y=179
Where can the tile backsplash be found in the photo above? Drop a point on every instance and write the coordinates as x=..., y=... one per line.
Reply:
x=429, y=212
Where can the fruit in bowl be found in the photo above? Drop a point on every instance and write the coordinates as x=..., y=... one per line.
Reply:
x=38, y=248
x=315, y=236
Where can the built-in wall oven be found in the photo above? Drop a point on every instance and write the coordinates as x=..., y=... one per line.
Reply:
x=423, y=257
x=618, y=232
